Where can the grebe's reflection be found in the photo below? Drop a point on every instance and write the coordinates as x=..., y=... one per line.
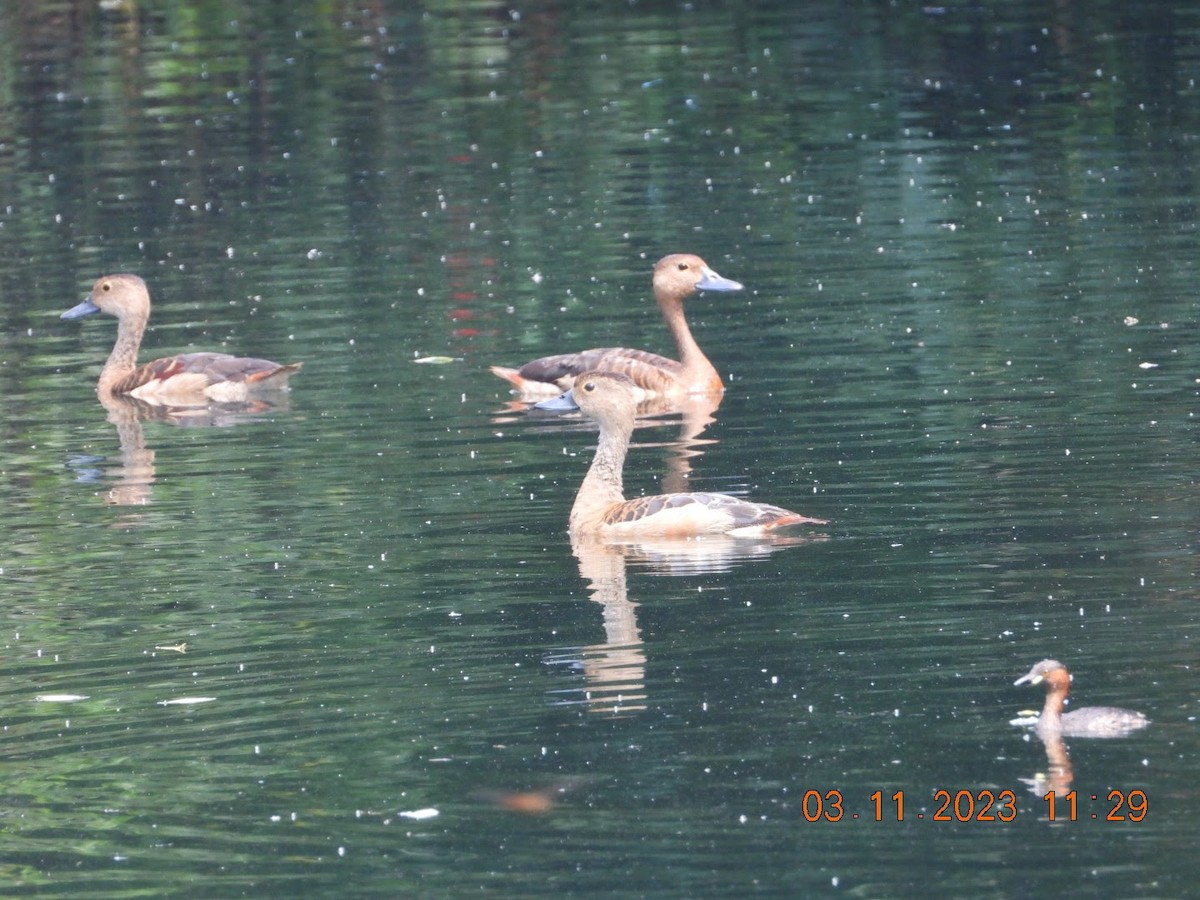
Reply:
x=1059, y=772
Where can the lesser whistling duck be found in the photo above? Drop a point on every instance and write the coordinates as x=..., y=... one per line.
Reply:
x=600, y=507
x=186, y=379
x=676, y=277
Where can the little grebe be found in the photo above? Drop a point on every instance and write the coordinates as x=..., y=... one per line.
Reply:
x=600, y=507
x=1090, y=721
x=183, y=380
x=676, y=278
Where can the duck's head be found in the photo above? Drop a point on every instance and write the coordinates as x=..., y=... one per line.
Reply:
x=117, y=295
x=598, y=395
x=682, y=274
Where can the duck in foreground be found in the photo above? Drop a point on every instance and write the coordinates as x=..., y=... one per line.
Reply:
x=1090, y=721
x=187, y=379
x=676, y=278
x=601, y=509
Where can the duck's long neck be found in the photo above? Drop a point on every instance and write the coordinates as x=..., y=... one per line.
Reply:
x=690, y=354
x=603, y=485
x=1052, y=709
x=123, y=358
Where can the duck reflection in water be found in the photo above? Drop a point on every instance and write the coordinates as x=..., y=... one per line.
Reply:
x=614, y=672
x=691, y=414
x=131, y=480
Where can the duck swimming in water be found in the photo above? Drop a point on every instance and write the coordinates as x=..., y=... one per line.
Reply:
x=676, y=278
x=189, y=379
x=1089, y=721
x=600, y=507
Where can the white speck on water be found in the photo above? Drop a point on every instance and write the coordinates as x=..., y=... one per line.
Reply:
x=419, y=814
x=186, y=701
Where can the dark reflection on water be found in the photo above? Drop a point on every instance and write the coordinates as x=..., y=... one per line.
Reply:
x=966, y=340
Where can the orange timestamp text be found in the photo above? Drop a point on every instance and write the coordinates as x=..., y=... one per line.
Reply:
x=976, y=806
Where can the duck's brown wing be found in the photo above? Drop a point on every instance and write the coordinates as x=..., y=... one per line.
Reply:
x=155, y=370
x=646, y=370
x=223, y=367
x=735, y=511
x=214, y=367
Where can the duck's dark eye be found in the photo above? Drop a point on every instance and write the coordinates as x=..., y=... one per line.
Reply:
x=107, y=286
x=683, y=267
x=590, y=386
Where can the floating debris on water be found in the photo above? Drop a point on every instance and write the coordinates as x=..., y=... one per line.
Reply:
x=427, y=813
x=186, y=701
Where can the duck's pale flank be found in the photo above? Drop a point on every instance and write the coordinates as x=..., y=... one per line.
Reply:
x=1089, y=721
x=186, y=379
x=600, y=507
x=676, y=278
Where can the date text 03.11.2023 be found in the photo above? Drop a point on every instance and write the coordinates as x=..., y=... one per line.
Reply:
x=980, y=806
